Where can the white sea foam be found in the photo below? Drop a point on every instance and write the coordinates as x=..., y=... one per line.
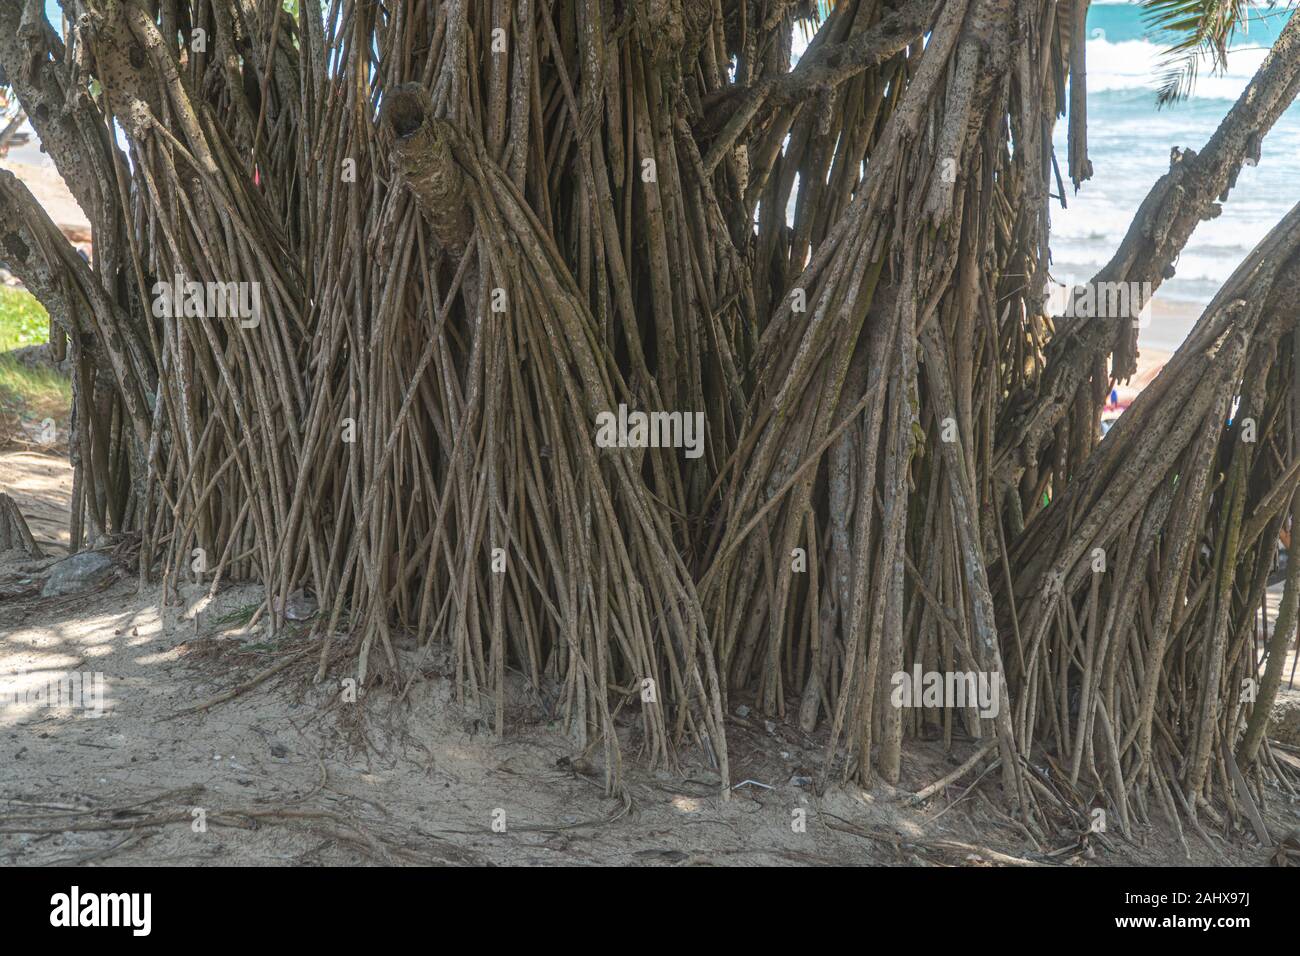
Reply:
x=1140, y=65
x=1129, y=143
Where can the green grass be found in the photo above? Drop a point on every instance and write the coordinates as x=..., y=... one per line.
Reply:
x=23, y=320
x=38, y=388
x=238, y=617
x=30, y=394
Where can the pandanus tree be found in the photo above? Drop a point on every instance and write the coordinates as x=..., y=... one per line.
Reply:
x=476, y=226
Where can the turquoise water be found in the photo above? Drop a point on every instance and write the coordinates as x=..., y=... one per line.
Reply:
x=1129, y=140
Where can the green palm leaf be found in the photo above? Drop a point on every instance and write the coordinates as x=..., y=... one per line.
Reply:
x=1192, y=30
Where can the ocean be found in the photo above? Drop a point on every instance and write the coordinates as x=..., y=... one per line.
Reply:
x=1129, y=140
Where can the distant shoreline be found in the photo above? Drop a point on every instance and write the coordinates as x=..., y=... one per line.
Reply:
x=1171, y=321
x=49, y=189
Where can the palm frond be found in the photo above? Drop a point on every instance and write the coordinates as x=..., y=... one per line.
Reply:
x=1192, y=31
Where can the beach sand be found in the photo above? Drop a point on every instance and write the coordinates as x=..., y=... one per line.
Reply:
x=52, y=193
x=1158, y=339
x=1170, y=321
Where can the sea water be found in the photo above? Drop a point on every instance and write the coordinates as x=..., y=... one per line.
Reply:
x=1129, y=141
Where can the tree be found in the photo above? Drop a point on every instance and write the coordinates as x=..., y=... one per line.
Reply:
x=469, y=230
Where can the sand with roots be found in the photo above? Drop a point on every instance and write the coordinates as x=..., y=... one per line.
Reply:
x=291, y=771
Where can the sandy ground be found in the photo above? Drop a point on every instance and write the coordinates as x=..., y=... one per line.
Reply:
x=1291, y=672
x=42, y=486
x=288, y=773
x=1149, y=363
x=291, y=772
x=1167, y=324
x=52, y=193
